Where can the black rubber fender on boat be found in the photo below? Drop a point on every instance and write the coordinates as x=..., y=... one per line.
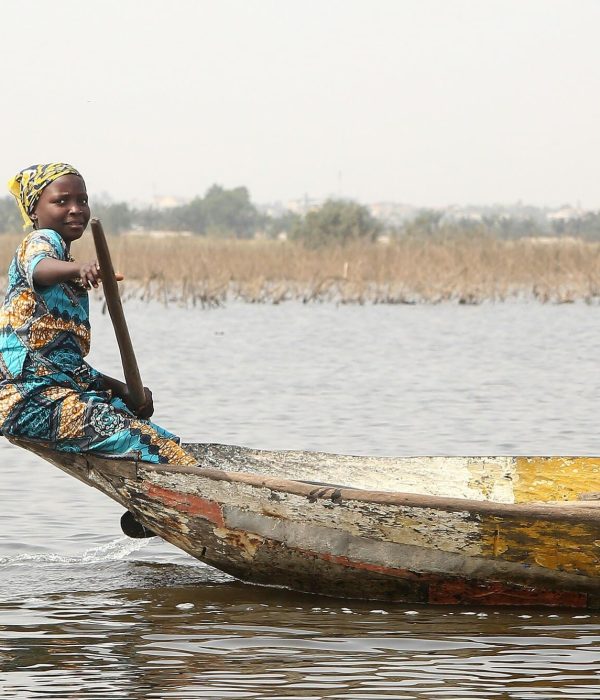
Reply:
x=132, y=528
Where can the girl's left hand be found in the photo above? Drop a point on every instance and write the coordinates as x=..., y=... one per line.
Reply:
x=89, y=274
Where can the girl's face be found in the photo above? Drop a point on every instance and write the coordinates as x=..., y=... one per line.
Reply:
x=63, y=207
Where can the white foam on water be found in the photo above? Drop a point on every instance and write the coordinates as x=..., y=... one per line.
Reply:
x=110, y=551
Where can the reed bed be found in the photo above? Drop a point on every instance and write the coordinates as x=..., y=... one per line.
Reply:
x=206, y=272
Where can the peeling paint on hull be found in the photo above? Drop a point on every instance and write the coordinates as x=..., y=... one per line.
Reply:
x=525, y=539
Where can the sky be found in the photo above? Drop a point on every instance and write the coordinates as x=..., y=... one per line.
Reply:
x=426, y=102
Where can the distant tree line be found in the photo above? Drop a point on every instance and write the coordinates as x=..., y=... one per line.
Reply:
x=227, y=213
x=230, y=213
x=429, y=223
x=10, y=216
x=220, y=212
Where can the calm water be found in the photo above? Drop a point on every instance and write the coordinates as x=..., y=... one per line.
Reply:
x=84, y=612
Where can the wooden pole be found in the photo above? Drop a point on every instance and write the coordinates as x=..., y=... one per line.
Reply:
x=115, y=309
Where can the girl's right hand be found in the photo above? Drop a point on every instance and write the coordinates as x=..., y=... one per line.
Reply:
x=144, y=411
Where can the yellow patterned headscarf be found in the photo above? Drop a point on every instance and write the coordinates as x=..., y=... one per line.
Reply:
x=28, y=185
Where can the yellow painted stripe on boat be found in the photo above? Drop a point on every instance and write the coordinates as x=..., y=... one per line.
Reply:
x=569, y=547
x=555, y=478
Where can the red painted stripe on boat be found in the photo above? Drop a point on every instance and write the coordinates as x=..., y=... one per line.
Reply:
x=375, y=568
x=460, y=592
x=473, y=593
x=187, y=503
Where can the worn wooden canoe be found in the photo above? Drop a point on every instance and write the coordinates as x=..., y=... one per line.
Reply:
x=436, y=530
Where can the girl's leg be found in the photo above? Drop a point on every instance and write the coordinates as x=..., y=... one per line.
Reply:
x=88, y=423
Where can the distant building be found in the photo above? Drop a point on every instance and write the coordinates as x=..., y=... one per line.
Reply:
x=393, y=213
x=167, y=202
x=304, y=205
x=455, y=214
x=566, y=214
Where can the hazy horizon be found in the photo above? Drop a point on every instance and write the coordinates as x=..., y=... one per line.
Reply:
x=424, y=102
x=106, y=198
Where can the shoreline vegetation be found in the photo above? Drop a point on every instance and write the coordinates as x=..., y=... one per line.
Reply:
x=222, y=247
x=200, y=271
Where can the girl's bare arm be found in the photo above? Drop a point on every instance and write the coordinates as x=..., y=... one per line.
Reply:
x=50, y=271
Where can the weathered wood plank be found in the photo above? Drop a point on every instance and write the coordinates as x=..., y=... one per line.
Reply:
x=562, y=511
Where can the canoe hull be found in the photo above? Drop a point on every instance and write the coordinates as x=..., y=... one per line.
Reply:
x=351, y=543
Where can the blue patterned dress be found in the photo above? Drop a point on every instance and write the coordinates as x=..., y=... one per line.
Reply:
x=48, y=393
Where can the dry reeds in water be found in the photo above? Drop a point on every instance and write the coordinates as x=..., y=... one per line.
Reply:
x=207, y=272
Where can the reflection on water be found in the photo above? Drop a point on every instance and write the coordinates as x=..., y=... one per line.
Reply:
x=235, y=641
x=85, y=612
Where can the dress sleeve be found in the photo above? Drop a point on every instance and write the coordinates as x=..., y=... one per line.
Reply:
x=37, y=246
x=94, y=374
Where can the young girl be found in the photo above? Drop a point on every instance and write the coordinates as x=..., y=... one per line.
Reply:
x=48, y=393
